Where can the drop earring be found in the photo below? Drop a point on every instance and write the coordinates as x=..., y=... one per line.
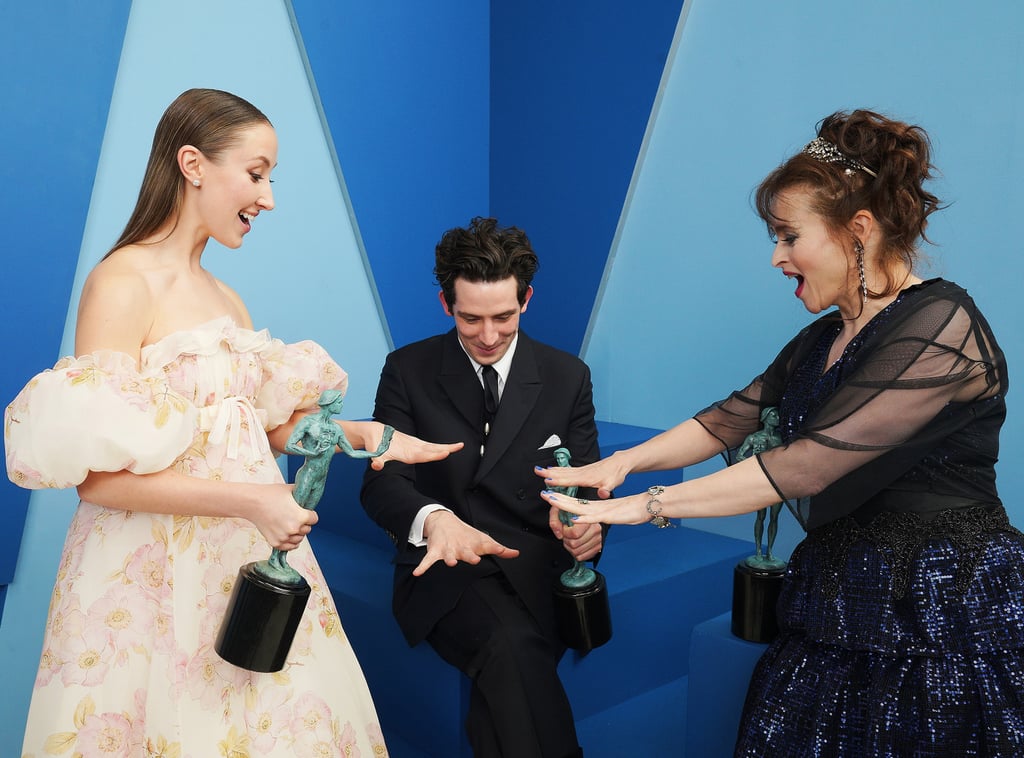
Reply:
x=858, y=248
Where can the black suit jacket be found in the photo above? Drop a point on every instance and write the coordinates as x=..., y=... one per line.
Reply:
x=430, y=389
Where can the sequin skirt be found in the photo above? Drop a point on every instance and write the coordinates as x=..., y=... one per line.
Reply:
x=899, y=638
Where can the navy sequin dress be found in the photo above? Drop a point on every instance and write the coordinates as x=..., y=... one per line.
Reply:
x=902, y=614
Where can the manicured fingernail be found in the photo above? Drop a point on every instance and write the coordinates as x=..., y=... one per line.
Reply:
x=547, y=492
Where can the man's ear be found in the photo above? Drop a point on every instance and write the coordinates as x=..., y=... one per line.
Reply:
x=444, y=303
x=189, y=163
x=526, y=298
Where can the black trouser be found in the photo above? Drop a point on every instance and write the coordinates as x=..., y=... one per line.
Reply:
x=517, y=707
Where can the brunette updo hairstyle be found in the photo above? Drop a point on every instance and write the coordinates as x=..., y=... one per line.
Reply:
x=898, y=153
x=207, y=119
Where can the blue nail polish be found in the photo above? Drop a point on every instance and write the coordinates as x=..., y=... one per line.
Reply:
x=547, y=492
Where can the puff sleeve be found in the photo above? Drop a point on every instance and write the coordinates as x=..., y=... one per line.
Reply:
x=294, y=375
x=96, y=412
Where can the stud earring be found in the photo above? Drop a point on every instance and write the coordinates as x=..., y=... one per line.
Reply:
x=195, y=182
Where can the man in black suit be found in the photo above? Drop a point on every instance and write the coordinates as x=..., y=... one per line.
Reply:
x=478, y=550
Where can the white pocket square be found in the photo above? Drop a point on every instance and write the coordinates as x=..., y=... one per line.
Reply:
x=552, y=441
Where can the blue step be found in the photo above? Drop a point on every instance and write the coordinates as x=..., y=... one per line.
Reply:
x=720, y=669
x=652, y=723
x=661, y=584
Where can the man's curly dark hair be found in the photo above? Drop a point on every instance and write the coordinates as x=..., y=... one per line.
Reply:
x=484, y=252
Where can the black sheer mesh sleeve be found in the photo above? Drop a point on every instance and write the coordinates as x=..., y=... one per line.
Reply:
x=732, y=419
x=913, y=385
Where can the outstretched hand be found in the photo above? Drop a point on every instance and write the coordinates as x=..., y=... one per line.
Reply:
x=631, y=509
x=408, y=449
x=450, y=539
x=604, y=476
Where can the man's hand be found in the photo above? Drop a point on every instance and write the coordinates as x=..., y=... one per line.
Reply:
x=450, y=539
x=583, y=541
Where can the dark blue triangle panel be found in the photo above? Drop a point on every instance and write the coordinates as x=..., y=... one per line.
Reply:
x=59, y=63
x=404, y=88
x=537, y=118
x=572, y=88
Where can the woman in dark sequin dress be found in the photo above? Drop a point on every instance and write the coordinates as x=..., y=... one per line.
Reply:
x=902, y=613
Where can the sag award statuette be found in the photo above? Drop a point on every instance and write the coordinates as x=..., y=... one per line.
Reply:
x=758, y=579
x=269, y=596
x=580, y=594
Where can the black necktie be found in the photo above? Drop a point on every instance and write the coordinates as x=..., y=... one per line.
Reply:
x=490, y=377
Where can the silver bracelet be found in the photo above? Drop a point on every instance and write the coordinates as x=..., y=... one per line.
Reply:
x=656, y=518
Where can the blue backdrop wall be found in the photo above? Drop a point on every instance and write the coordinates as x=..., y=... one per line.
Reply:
x=625, y=144
x=690, y=307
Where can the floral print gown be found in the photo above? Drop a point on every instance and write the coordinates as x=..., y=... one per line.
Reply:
x=128, y=665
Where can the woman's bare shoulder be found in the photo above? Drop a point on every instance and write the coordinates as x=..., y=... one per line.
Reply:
x=116, y=308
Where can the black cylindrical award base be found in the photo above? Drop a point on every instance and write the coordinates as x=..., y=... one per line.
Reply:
x=260, y=622
x=755, y=593
x=583, y=615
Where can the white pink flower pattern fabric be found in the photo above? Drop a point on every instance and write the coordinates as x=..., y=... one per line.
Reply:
x=128, y=666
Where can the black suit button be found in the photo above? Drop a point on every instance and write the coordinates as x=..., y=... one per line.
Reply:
x=521, y=494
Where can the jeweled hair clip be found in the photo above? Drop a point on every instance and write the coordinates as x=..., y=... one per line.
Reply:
x=824, y=151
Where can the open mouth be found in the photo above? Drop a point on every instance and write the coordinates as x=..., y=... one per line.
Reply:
x=799, y=282
x=246, y=219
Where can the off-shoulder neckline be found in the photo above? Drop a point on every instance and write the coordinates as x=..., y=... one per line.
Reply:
x=202, y=327
x=203, y=339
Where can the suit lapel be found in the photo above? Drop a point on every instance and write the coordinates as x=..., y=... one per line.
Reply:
x=459, y=381
x=522, y=389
